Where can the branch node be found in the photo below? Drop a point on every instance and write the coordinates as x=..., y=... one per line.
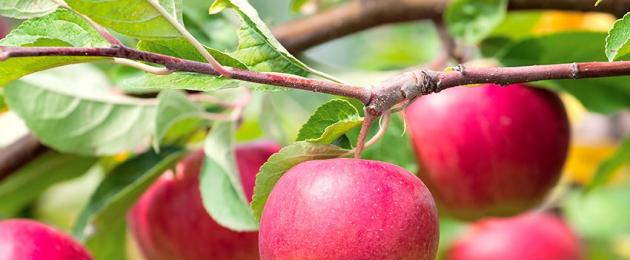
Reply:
x=575, y=70
x=460, y=68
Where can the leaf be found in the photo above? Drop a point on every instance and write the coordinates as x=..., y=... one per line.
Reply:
x=281, y=126
x=134, y=18
x=101, y=223
x=61, y=28
x=73, y=109
x=257, y=48
x=220, y=184
x=618, y=40
x=602, y=95
x=473, y=20
x=282, y=161
x=606, y=169
x=329, y=122
x=3, y=104
x=24, y=9
x=176, y=117
x=598, y=2
x=394, y=147
x=185, y=80
x=296, y=5
x=599, y=214
x=28, y=182
x=183, y=49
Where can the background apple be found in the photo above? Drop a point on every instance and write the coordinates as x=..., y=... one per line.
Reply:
x=4, y=27
x=170, y=222
x=537, y=236
x=26, y=239
x=489, y=150
x=349, y=209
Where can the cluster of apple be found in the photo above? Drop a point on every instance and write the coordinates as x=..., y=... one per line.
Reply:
x=487, y=153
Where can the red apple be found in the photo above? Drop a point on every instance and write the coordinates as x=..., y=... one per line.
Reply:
x=4, y=27
x=170, y=222
x=349, y=209
x=529, y=236
x=489, y=150
x=22, y=239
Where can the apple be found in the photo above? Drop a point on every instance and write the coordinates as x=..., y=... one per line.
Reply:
x=22, y=239
x=349, y=209
x=539, y=236
x=4, y=27
x=170, y=222
x=489, y=150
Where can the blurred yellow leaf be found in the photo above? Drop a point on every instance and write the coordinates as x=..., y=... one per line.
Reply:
x=558, y=21
x=583, y=161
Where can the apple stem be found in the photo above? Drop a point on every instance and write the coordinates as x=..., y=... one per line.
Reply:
x=365, y=128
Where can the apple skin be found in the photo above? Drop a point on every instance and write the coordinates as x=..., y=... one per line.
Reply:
x=349, y=209
x=539, y=236
x=489, y=150
x=22, y=239
x=170, y=222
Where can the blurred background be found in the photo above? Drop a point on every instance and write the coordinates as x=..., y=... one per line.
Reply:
x=599, y=217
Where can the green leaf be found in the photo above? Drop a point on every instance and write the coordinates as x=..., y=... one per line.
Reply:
x=277, y=123
x=24, y=9
x=101, y=224
x=176, y=117
x=73, y=109
x=3, y=104
x=602, y=95
x=329, y=122
x=61, y=28
x=257, y=48
x=282, y=161
x=134, y=18
x=183, y=49
x=394, y=147
x=28, y=182
x=473, y=20
x=185, y=80
x=600, y=214
x=220, y=184
x=296, y=5
x=606, y=169
x=618, y=40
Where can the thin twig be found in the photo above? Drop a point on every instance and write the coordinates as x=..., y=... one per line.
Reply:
x=178, y=64
x=216, y=66
x=142, y=66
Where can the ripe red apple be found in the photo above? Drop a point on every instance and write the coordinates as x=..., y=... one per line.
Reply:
x=529, y=236
x=22, y=239
x=349, y=209
x=170, y=222
x=489, y=150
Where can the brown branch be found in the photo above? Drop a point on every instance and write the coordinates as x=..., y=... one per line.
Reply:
x=19, y=153
x=359, y=15
x=378, y=99
x=182, y=65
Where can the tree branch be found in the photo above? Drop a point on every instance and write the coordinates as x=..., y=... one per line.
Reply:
x=358, y=15
x=378, y=99
x=19, y=153
x=182, y=65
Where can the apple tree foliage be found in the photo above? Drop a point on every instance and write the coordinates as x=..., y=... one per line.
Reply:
x=79, y=112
